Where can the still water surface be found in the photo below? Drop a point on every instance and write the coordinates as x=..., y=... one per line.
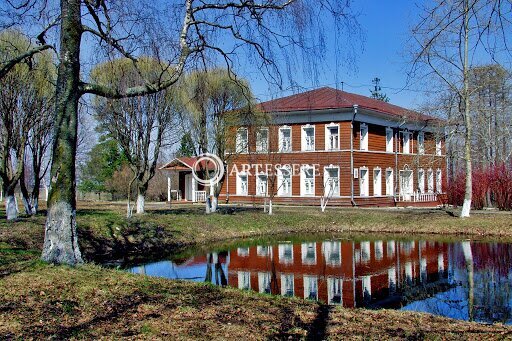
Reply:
x=463, y=280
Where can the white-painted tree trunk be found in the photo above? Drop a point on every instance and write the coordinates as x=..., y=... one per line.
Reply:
x=11, y=209
x=140, y=203
x=215, y=204
x=468, y=256
x=27, y=206
x=35, y=205
x=466, y=208
x=270, y=207
x=60, y=240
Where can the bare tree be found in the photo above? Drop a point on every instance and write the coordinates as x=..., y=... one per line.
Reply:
x=182, y=32
x=450, y=38
x=142, y=125
x=25, y=94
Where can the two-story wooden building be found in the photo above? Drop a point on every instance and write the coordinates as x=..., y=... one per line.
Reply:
x=338, y=148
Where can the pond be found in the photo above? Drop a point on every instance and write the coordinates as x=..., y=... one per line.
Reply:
x=462, y=279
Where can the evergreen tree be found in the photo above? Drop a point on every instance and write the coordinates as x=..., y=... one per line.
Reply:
x=186, y=146
x=377, y=91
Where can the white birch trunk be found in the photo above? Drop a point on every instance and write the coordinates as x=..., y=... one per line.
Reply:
x=140, y=203
x=215, y=203
x=270, y=207
x=11, y=209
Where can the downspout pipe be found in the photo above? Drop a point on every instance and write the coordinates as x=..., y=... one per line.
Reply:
x=352, y=156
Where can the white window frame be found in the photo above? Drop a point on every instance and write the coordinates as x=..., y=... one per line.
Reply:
x=304, y=247
x=303, y=178
x=390, y=185
x=239, y=188
x=258, y=193
x=430, y=180
x=310, y=286
x=334, y=290
x=365, y=178
x=389, y=140
x=406, y=148
x=280, y=178
x=421, y=143
x=439, y=180
x=282, y=144
x=328, y=128
x=377, y=182
x=363, y=138
x=439, y=146
x=241, y=149
x=421, y=180
x=262, y=145
x=287, y=278
x=305, y=146
x=336, y=192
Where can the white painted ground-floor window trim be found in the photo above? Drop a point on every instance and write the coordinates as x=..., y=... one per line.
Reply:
x=261, y=184
x=242, y=184
x=390, y=182
x=364, y=179
x=307, y=181
x=377, y=182
x=331, y=181
x=421, y=180
x=284, y=182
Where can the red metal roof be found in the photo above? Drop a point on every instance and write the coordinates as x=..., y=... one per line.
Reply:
x=328, y=98
x=187, y=163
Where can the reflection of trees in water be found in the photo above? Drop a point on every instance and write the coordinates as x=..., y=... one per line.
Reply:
x=212, y=259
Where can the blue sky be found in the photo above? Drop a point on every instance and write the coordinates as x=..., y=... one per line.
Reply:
x=386, y=26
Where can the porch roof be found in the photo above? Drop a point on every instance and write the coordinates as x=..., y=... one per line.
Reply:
x=187, y=163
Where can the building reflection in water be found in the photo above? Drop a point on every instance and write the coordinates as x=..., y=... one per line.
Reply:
x=469, y=281
x=365, y=273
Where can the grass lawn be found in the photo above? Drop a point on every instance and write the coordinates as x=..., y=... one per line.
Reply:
x=38, y=300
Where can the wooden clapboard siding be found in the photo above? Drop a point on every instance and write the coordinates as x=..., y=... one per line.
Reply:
x=375, y=157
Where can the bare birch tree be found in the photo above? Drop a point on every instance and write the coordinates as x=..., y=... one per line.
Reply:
x=450, y=38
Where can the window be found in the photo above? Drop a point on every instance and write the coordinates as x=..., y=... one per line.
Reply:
x=378, y=249
x=242, y=251
x=438, y=146
x=363, y=130
x=334, y=290
x=421, y=142
x=261, y=184
x=244, y=280
x=430, y=181
x=241, y=140
x=331, y=182
x=310, y=287
x=308, y=138
x=264, y=282
x=307, y=181
x=390, y=187
x=377, y=182
x=284, y=182
x=287, y=287
x=263, y=251
x=406, y=142
x=332, y=252
x=285, y=139
x=332, y=141
x=439, y=181
x=363, y=182
x=285, y=253
x=308, y=251
x=421, y=180
x=241, y=184
x=262, y=140
x=389, y=140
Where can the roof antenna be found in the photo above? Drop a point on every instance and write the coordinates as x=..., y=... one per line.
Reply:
x=342, y=82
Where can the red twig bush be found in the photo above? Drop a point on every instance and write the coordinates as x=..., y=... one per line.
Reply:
x=491, y=187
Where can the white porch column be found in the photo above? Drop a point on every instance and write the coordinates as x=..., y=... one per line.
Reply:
x=194, y=189
x=169, y=188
